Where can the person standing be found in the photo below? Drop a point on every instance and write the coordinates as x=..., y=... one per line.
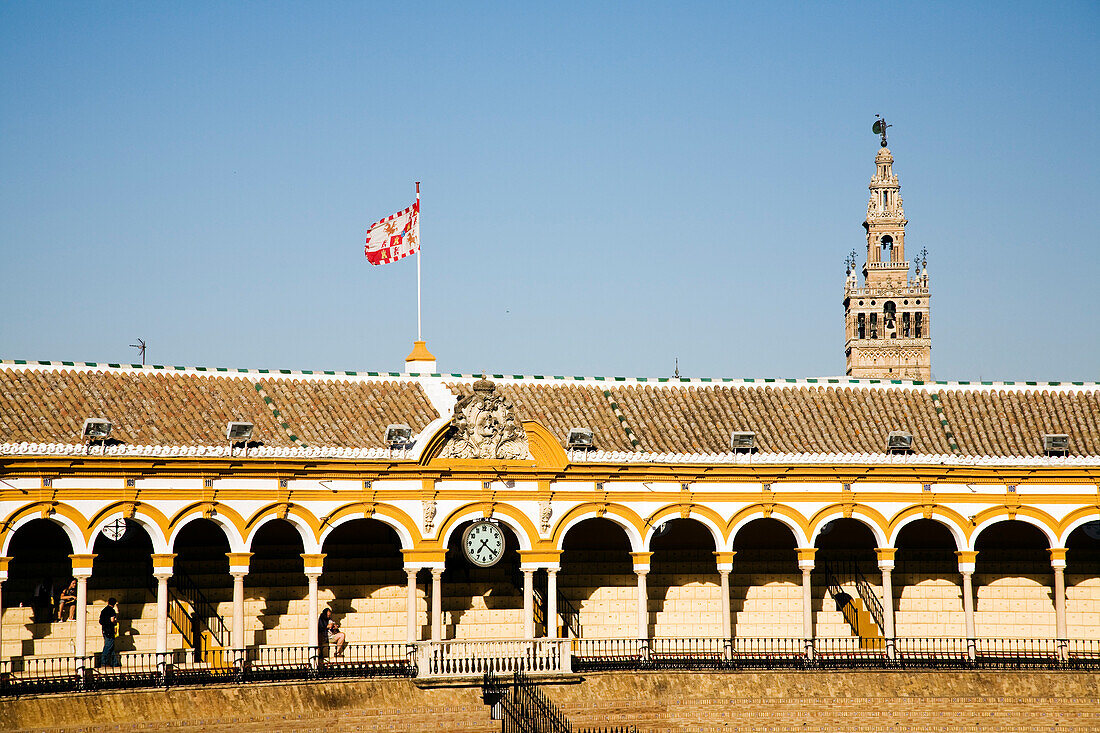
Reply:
x=108, y=617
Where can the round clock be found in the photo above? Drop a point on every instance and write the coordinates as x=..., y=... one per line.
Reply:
x=483, y=543
x=115, y=530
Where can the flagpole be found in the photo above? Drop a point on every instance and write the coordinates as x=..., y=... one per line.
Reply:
x=418, y=248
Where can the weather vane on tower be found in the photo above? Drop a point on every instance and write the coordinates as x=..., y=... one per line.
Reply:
x=879, y=128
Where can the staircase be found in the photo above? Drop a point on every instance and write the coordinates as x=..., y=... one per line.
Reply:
x=862, y=612
x=194, y=617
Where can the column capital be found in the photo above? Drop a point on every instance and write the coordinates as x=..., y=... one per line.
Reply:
x=4, y=568
x=238, y=562
x=967, y=560
x=82, y=565
x=436, y=573
x=641, y=561
x=1057, y=558
x=806, y=557
x=163, y=562
x=724, y=561
x=886, y=557
x=313, y=562
x=424, y=558
x=539, y=558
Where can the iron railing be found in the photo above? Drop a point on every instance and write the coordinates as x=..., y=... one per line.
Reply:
x=201, y=607
x=38, y=675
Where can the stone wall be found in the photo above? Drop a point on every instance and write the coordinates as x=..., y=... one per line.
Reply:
x=1003, y=701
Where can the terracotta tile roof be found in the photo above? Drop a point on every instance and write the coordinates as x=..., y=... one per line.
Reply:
x=173, y=409
x=808, y=419
x=1011, y=423
x=349, y=413
x=46, y=404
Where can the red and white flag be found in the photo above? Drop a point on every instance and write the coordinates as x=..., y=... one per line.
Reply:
x=394, y=237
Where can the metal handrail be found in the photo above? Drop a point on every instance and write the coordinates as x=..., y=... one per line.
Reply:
x=850, y=569
x=202, y=607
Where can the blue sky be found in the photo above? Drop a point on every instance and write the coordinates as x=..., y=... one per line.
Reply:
x=606, y=187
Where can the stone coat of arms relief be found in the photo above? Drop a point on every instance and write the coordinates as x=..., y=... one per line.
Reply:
x=485, y=426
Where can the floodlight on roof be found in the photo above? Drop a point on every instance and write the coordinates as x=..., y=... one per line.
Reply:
x=398, y=435
x=97, y=428
x=580, y=439
x=1055, y=444
x=742, y=441
x=899, y=441
x=236, y=432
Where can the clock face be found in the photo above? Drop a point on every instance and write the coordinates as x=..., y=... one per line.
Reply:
x=483, y=543
x=115, y=530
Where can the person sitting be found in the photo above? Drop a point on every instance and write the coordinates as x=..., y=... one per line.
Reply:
x=67, y=605
x=327, y=628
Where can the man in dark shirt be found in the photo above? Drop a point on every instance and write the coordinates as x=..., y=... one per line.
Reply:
x=107, y=618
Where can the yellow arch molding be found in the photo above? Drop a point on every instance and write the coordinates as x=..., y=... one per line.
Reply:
x=1012, y=512
x=45, y=508
x=276, y=508
x=850, y=510
x=958, y=520
x=141, y=509
x=679, y=509
x=597, y=510
x=765, y=511
x=1069, y=519
x=183, y=516
x=367, y=510
x=483, y=506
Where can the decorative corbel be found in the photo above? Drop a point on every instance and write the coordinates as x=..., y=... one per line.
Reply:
x=429, y=515
x=849, y=509
x=129, y=509
x=209, y=509
x=546, y=511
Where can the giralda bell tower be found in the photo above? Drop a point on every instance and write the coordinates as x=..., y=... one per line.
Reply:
x=887, y=331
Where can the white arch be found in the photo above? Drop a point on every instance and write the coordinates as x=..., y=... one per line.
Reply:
x=956, y=532
x=156, y=537
x=76, y=537
x=1004, y=518
x=799, y=536
x=403, y=536
x=1074, y=525
x=477, y=513
x=632, y=536
x=236, y=543
x=880, y=538
x=715, y=531
x=309, y=545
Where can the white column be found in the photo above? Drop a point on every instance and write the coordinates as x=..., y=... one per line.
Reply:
x=727, y=617
x=81, y=645
x=886, y=567
x=967, y=562
x=238, y=610
x=410, y=606
x=162, y=610
x=312, y=578
x=643, y=603
x=806, y=565
x=437, y=604
x=528, y=603
x=1058, y=564
x=552, y=603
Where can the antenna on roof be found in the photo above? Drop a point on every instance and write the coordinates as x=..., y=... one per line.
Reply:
x=140, y=346
x=676, y=374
